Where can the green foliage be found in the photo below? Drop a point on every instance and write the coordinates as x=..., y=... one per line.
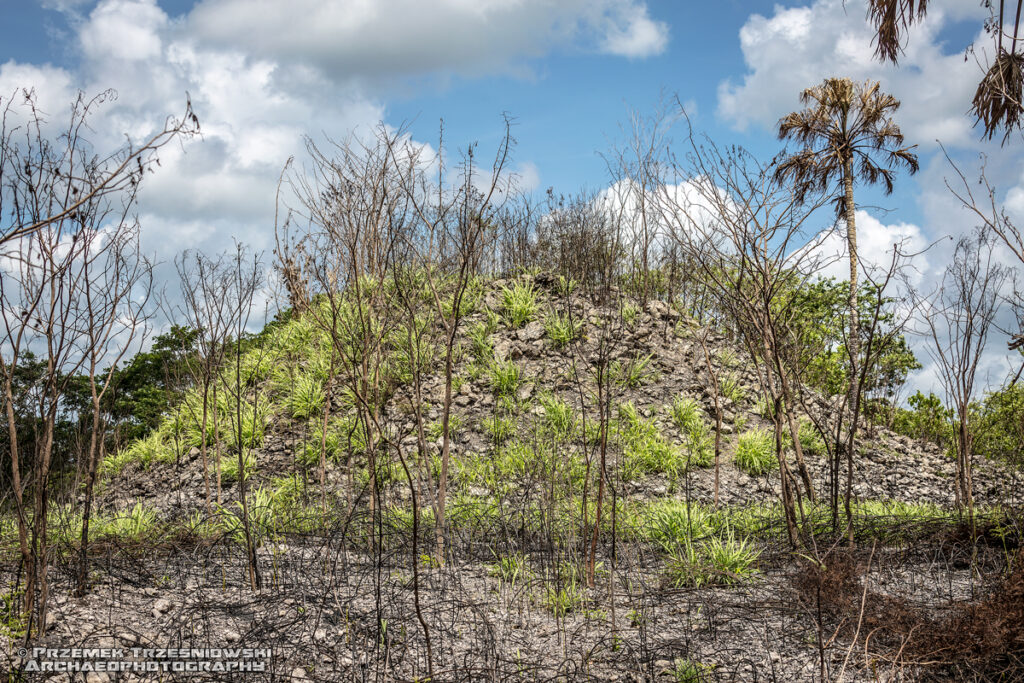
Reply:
x=306, y=397
x=671, y=523
x=481, y=347
x=147, y=451
x=689, y=671
x=229, y=472
x=629, y=313
x=436, y=429
x=810, y=440
x=566, y=286
x=562, y=329
x=247, y=429
x=499, y=429
x=927, y=419
x=505, y=377
x=644, y=449
x=519, y=304
x=755, y=452
x=719, y=560
x=818, y=314
x=999, y=425
x=559, y=416
x=134, y=525
x=688, y=416
x=512, y=568
x=729, y=386
x=633, y=374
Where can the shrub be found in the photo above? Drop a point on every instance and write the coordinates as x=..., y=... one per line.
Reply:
x=755, y=452
x=519, y=304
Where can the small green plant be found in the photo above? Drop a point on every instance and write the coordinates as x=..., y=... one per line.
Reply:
x=687, y=414
x=727, y=358
x=505, y=377
x=499, y=429
x=229, y=466
x=480, y=340
x=689, y=671
x=810, y=440
x=512, y=568
x=629, y=313
x=644, y=449
x=132, y=525
x=519, y=304
x=566, y=286
x=730, y=387
x=559, y=416
x=306, y=396
x=436, y=429
x=765, y=408
x=731, y=559
x=562, y=329
x=755, y=452
x=634, y=374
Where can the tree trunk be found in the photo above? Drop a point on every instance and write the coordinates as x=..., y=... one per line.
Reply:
x=853, y=340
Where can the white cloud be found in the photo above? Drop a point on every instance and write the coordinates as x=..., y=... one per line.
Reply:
x=366, y=39
x=798, y=47
x=875, y=243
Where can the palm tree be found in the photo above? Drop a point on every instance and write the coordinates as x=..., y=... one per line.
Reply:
x=998, y=102
x=844, y=128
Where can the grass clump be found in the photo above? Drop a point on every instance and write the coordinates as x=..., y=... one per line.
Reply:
x=689, y=671
x=810, y=440
x=505, y=377
x=730, y=387
x=132, y=525
x=755, y=452
x=306, y=397
x=644, y=449
x=688, y=416
x=559, y=416
x=499, y=429
x=512, y=568
x=721, y=560
x=629, y=313
x=519, y=304
x=633, y=374
x=229, y=472
x=562, y=330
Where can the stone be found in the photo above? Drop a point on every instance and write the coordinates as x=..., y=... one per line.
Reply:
x=299, y=674
x=231, y=636
x=532, y=332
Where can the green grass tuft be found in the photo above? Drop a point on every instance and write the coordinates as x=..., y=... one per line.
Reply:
x=755, y=452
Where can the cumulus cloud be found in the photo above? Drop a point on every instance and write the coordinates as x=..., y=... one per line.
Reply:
x=800, y=46
x=367, y=39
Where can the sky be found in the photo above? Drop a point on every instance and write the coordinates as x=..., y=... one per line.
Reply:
x=261, y=74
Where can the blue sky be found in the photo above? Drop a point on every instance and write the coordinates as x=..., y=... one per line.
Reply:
x=261, y=73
